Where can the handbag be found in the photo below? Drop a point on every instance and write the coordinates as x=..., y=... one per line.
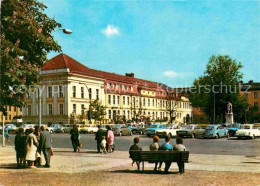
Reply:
x=38, y=155
x=51, y=152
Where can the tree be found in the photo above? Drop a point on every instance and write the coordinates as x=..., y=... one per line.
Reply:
x=25, y=41
x=171, y=105
x=219, y=85
x=98, y=111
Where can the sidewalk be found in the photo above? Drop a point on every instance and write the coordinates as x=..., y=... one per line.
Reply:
x=66, y=161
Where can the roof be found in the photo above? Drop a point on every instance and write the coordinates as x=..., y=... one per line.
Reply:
x=62, y=61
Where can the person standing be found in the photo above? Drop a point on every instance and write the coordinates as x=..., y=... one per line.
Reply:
x=110, y=138
x=75, y=138
x=98, y=138
x=46, y=145
x=6, y=134
x=20, y=147
x=180, y=147
x=39, y=148
x=31, y=148
x=167, y=147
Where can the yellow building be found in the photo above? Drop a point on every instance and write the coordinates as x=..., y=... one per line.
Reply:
x=68, y=87
x=12, y=112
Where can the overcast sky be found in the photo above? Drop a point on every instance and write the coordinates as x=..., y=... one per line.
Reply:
x=164, y=41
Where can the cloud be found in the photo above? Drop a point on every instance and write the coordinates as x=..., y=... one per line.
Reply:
x=110, y=31
x=172, y=74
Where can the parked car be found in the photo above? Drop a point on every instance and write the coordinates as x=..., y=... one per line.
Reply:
x=139, y=129
x=11, y=128
x=249, y=131
x=122, y=130
x=233, y=128
x=89, y=129
x=53, y=127
x=169, y=131
x=67, y=128
x=191, y=130
x=215, y=131
x=60, y=129
x=153, y=128
x=27, y=126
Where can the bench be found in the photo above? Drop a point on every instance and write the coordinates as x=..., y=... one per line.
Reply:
x=159, y=156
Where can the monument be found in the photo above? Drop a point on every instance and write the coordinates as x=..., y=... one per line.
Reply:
x=229, y=114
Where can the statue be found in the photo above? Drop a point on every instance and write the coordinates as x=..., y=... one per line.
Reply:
x=229, y=108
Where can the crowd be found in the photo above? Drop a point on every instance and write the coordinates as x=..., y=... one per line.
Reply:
x=29, y=144
x=165, y=146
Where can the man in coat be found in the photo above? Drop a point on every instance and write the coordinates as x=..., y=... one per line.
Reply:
x=99, y=136
x=46, y=145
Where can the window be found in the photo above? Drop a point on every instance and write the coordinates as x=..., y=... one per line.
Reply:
x=97, y=94
x=10, y=108
x=82, y=92
x=123, y=100
x=148, y=102
x=134, y=100
x=61, y=109
x=21, y=109
x=132, y=88
x=246, y=95
x=14, y=109
x=118, y=100
x=126, y=87
x=50, y=109
x=49, y=92
x=256, y=106
x=9, y=117
x=121, y=86
x=82, y=108
x=109, y=114
x=29, y=107
x=128, y=114
x=60, y=91
x=255, y=95
x=74, y=108
x=128, y=101
x=74, y=91
x=143, y=101
x=114, y=99
x=90, y=93
x=109, y=99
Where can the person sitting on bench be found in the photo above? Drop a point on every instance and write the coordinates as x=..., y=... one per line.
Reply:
x=180, y=147
x=135, y=147
x=167, y=147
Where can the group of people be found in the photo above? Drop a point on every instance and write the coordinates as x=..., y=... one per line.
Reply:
x=105, y=140
x=29, y=144
x=165, y=146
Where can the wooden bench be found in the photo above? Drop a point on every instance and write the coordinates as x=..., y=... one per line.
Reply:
x=159, y=156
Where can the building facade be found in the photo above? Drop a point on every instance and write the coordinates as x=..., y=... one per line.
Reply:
x=13, y=113
x=67, y=88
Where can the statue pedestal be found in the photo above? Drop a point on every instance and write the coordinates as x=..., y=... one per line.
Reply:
x=229, y=118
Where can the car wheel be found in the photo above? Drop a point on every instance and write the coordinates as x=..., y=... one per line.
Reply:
x=228, y=135
x=141, y=132
x=148, y=135
x=120, y=134
x=217, y=136
x=131, y=133
x=193, y=136
x=253, y=137
x=170, y=135
x=63, y=131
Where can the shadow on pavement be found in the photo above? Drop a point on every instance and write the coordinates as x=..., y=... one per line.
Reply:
x=142, y=172
x=9, y=166
x=81, y=151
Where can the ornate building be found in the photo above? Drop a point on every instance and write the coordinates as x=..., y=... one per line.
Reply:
x=67, y=87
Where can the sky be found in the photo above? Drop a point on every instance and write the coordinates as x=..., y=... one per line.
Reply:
x=159, y=40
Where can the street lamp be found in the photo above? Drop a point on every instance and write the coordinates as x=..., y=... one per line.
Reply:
x=65, y=31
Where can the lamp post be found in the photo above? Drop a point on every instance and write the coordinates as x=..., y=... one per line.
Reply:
x=65, y=31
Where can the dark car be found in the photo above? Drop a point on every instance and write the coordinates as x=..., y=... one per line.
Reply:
x=122, y=130
x=233, y=128
x=139, y=129
x=191, y=130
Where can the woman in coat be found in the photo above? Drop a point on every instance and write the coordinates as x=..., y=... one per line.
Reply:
x=31, y=148
x=110, y=138
x=75, y=138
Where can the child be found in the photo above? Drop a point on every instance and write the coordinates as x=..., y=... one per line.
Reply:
x=103, y=144
x=135, y=147
x=180, y=147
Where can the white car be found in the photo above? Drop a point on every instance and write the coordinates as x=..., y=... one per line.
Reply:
x=249, y=131
x=169, y=131
x=89, y=129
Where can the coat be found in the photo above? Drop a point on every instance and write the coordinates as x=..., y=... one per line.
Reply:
x=31, y=147
x=110, y=137
x=99, y=135
x=46, y=139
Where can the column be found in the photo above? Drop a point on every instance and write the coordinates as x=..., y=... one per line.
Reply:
x=55, y=99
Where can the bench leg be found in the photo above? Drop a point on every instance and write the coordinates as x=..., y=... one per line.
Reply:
x=143, y=165
x=138, y=166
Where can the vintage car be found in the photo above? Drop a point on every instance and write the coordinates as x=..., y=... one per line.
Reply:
x=139, y=129
x=191, y=130
x=169, y=131
x=53, y=127
x=215, y=131
x=27, y=126
x=232, y=128
x=62, y=129
x=249, y=131
x=89, y=129
x=122, y=130
x=153, y=128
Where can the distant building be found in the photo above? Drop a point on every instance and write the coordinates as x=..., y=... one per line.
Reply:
x=68, y=87
x=12, y=113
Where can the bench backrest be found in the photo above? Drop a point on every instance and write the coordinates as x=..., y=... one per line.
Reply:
x=172, y=156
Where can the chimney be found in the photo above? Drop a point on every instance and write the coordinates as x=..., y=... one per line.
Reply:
x=130, y=74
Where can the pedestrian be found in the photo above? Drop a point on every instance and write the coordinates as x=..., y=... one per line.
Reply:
x=75, y=138
x=135, y=146
x=110, y=139
x=46, y=145
x=20, y=147
x=39, y=148
x=167, y=147
x=103, y=145
x=31, y=148
x=155, y=147
x=180, y=147
x=6, y=134
x=98, y=138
